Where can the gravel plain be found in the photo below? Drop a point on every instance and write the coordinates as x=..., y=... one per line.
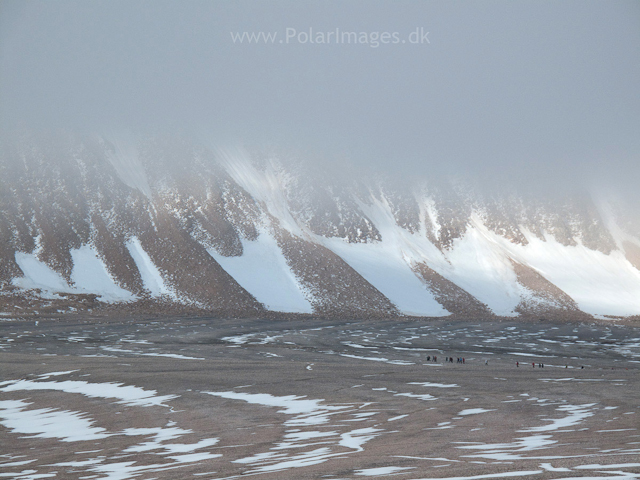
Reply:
x=206, y=398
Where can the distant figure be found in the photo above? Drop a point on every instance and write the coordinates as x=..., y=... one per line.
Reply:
x=582, y=367
x=36, y=323
x=462, y=359
x=428, y=358
x=435, y=359
x=517, y=364
x=450, y=359
x=533, y=364
x=486, y=362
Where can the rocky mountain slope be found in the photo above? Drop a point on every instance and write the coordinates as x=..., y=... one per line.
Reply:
x=98, y=223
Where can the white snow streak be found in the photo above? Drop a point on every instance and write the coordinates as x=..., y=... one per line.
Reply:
x=263, y=271
x=89, y=275
x=38, y=275
x=150, y=274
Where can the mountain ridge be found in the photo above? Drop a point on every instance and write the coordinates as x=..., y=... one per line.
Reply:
x=165, y=221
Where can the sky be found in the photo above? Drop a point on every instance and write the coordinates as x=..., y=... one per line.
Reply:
x=540, y=91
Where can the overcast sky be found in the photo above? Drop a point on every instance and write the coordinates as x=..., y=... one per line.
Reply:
x=540, y=89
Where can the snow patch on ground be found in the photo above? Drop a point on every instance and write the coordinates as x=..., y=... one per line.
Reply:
x=490, y=475
x=126, y=394
x=378, y=359
x=250, y=338
x=576, y=414
x=305, y=413
x=374, y=472
x=149, y=354
x=48, y=422
x=437, y=385
x=474, y=411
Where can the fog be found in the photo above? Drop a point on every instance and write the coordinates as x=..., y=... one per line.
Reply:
x=545, y=93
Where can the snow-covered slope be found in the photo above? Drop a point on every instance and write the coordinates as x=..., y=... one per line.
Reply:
x=150, y=274
x=263, y=271
x=228, y=231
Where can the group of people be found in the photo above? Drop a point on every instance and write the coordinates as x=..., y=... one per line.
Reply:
x=533, y=364
x=446, y=360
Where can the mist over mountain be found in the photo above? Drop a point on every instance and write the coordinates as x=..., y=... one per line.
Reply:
x=540, y=92
x=218, y=156
x=93, y=222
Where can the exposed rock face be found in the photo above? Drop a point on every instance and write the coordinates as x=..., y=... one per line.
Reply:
x=89, y=222
x=334, y=287
x=632, y=252
x=451, y=296
x=117, y=259
x=545, y=295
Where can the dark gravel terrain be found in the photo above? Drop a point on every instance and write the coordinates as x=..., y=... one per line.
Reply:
x=146, y=398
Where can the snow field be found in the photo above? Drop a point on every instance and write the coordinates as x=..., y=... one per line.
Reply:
x=263, y=271
x=89, y=275
x=306, y=413
x=600, y=284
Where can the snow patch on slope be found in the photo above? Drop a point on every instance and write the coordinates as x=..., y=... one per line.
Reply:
x=265, y=187
x=476, y=262
x=386, y=264
x=90, y=275
x=263, y=271
x=150, y=274
x=600, y=284
x=37, y=274
x=610, y=207
x=128, y=167
x=428, y=211
x=383, y=267
x=480, y=265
